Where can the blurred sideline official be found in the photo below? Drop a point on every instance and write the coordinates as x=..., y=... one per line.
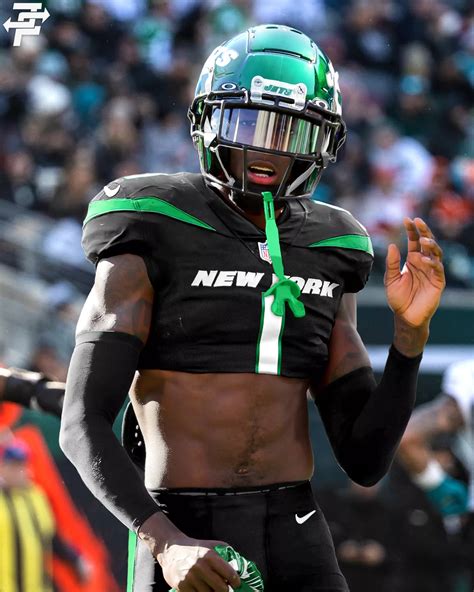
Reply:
x=28, y=529
x=31, y=390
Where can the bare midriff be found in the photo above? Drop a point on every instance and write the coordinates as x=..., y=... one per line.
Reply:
x=222, y=430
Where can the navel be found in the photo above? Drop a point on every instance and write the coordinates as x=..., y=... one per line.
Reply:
x=242, y=469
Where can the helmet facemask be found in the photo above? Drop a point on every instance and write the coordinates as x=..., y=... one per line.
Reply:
x=267, y=91
x=223, y=122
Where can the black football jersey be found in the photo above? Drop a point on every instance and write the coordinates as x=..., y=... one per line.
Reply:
x=210, y=268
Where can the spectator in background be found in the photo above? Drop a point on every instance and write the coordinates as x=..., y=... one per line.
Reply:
x=449, y=413
x=18, y=182
x=410, y=162
x=227, y=18
x=359, y=520
x=118, y=138
x=56, y=333
x=369, y=30
x=154, y=33
x=383, y=207
x=429, y=499
x=449, y=205
x=28, y=528
x=123, y=10
x=172, y=155
x=71, y=525
x=429, y=557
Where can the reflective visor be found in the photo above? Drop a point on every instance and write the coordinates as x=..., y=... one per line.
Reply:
x=270, y=130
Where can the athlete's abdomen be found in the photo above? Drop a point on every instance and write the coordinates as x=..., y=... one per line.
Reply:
x=222, y=430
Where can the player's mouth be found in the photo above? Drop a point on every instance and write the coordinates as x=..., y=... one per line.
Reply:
x=262, y=173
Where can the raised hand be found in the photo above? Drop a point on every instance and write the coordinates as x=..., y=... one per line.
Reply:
x=414, y=292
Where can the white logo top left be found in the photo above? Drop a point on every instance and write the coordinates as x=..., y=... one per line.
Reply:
x=29, y=20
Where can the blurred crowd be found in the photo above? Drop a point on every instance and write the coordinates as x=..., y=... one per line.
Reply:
x=103, y=92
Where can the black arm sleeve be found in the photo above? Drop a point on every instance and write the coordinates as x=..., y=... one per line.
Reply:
x=32, y=390
x=100, y=373
x=365, y=421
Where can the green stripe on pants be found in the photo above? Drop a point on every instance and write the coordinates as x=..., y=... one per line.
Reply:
x=132, y=547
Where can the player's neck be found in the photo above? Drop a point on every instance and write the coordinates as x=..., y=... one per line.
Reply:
x=254, y=214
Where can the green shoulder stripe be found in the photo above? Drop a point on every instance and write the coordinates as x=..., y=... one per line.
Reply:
x=347, y=241
x=142, y=204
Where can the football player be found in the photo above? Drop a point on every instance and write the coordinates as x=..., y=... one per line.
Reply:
x=224, y=297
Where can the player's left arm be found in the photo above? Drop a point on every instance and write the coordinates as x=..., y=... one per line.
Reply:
x=365, y=420
x=31, y=390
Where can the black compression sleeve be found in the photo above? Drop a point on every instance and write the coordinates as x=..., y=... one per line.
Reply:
x=100, y=374
x=365, y=421
x=32, y=390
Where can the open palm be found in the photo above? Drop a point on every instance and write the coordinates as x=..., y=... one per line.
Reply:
x=414, y=292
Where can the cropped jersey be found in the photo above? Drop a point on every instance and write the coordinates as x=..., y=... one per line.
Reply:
x=210, y=267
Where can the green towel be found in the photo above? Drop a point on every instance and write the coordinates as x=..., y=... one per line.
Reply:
x=250, y=576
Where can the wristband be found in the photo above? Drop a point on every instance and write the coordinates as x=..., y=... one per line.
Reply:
x=432, y=476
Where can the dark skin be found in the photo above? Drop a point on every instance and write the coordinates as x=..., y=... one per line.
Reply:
x=241, y=429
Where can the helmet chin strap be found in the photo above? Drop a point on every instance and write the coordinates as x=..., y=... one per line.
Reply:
x=301, y=178
x=285, y=291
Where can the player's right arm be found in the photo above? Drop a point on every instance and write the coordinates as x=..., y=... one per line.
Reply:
x=111, y=331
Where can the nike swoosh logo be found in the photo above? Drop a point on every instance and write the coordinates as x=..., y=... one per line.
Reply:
x=305, y=517
x=111, y=192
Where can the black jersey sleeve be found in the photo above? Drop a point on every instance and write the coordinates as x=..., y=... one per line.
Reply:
x=356, y=248
x=112, y=225
x=336, y=230
x=358, y=269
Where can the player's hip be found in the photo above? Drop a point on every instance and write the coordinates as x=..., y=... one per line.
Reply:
x=279, y=526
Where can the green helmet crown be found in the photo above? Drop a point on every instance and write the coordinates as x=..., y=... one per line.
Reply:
x=273, y=68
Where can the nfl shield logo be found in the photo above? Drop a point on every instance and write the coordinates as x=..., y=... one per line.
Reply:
x=264, y=252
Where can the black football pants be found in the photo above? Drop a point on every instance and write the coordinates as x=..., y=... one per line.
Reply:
x=281, y=529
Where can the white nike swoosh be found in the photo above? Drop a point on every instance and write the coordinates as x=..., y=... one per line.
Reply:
x=111, y=192
x=304, y=518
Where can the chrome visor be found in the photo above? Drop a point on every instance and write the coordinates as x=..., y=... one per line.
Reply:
x=270, y=130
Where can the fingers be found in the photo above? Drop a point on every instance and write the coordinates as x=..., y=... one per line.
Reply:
x=215, y=582
x=224, y=570
x=430, y=248
x=392, y=264
x=437, y=268
x=412, y=235
x=202, y=579
x=416, y=229
x=432, y=253
x=423, y=228
x=421, y=239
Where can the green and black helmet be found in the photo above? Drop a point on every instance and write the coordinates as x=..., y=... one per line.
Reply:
x=268, y=90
